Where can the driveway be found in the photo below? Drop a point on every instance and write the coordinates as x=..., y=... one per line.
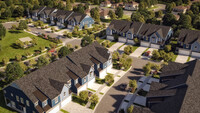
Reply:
x=160, y=7
x=115, y=46
x=121, y=50
x=8, y=25
x=138, y=52
x=181, y=59
x=113, y=98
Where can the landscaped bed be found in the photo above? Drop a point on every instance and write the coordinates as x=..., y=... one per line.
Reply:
x=8, y=49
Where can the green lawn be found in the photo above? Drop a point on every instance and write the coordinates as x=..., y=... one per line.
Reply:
x=188, y=59
x=7, y=49
x=112, y=43
x=151, y=8
x=174, y=58
x=134, y=48
x=64, y=111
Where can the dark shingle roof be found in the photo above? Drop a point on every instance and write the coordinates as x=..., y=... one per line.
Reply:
x=78, y=17
x=38, y=10
x=138, y=109
x=161, y=93
x=157, y=86
x=189, y=36
x=48, y=10
x=61, y=14
x=123, y=26
x=50, y=79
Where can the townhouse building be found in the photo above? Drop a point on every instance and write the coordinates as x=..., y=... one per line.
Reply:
x=62, y=18
x=189, y=43
x=150, y=35
x=49, y=88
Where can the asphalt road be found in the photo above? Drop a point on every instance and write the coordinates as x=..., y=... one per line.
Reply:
x=112, y=99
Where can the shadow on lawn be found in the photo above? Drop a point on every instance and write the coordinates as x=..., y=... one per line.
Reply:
x=15, y=31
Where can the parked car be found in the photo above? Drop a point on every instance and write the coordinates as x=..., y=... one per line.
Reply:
x=147, y=53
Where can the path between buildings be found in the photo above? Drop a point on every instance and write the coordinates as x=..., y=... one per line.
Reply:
x=115, y=46
x=138, y=52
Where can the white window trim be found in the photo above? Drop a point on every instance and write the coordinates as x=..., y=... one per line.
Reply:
x=4, y=91
x=44, y=103
x=27, y=103
x=17, y=98
x=56, y=100
x=11, y=94
x=22, y=100
x=36, y=103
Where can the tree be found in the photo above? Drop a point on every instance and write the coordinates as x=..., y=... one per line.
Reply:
x=169, y=19
x=7, y=13
x=142, y=6
x=168, y=48
x=109, y=79
x=147, y=69
x=94, y=99
x=94, y=12
x=18, y=11
x=5, y=60
x=133, y=83
x=72, y=1
x=83, y=95
x=68, y=5
x=115, y=56
x=159, y=13
x=23, y=66
x=13, y=71
x=112, y=15
x=2, y=31
x=32, y=62
x=64, y=51
x=18, y=57
x=130, y=109
x=136, y=16
x=169, y=7
x=186, y=1
x=22, y=25
x=155, y=55
x=86, y=41
x=42, y=61
x=119, y=12
x=185, y=21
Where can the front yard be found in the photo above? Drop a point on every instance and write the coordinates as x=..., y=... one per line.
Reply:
x=9, y=50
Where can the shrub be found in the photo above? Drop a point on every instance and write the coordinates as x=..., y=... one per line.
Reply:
x=130, y=109
x=18, y=57
x=133, y=85
x=83, y=95
x=168, y=48
x=109, y=79
x=128, y=49
x=76, y=46
x=99, y=81
x=5, y=60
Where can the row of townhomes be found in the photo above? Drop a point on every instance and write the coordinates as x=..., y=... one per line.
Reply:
x=176, y=91
x=189, y=42
x=49, y=88
x=62, y=18
x=150, y=35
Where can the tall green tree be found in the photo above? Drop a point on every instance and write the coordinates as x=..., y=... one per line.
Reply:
x=19, y=11
x=42, y=61
x=2, y=31
x=169, y=19
x=22, y=25
x=112, y=15
x=64, y=51
x=86, y=41
x=185, y=21
x=68, y=5
x=119, y=12
x=13, y=71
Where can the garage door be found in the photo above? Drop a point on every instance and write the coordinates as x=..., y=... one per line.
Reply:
x=122, y=39
x=183, y=52
x=144, y=44
x=102, y=74
x=110, y=38
x=130, y=42
x=55, y=109
x=195, y=55
x=66, y=101
x=91, y=82
x=82, y=88
x=155, y=46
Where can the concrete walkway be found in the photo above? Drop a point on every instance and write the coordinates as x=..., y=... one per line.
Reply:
x=115, y=46
x=121, y=50
x=138, y=52
x=181, y=59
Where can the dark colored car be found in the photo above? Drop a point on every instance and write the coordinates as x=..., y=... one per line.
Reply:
x=123, y=86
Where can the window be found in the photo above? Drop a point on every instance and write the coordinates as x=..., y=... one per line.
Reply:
x=36, y=103
x=13, y=104
x=17, y=98
x=56, y=100
x=84, y=79
x=44, y=103
x=195, y=47
x=187, y=46
x=91, y=74
x=33, y=111
x=64, y=94
x=110, y=60
x=4, y=91
x=22, y=100
x=27, y=103
x=76, y=81
x=11, y=94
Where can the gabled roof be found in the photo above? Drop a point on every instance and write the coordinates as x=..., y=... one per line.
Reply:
x=62, y=14
x=38, y=10
x=139, y=28
x=49, y=80
x=187, y=36
x=48, y=10
x=78, y=17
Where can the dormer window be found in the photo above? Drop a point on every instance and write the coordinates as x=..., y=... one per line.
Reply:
x=187, y=46
x=91, y=74
x=195, y=47
x=22, y=100
x=84, y=79
x=36, y=103
x=76, y=81
x=44, y=103
x=56, y=100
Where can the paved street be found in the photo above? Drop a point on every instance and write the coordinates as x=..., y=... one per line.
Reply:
x=181, y=59
x=112, y=99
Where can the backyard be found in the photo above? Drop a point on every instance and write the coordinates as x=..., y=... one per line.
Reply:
x=8, y=50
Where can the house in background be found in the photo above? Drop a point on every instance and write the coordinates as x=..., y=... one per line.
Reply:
x=105, y=4
x=104, y=14
x=150, y=35
x=179, y=9
x=115, y=5
x=62, y=18
x=132, y=6
x=49, y=88
x=189, y=43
